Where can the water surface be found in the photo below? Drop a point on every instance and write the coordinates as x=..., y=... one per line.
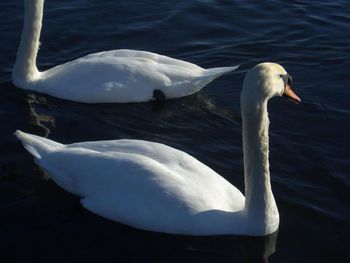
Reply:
x=309, y=143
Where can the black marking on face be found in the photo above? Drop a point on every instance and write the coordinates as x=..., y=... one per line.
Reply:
x=287, y=79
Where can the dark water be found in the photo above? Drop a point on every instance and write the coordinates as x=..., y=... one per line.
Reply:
x=310, y=143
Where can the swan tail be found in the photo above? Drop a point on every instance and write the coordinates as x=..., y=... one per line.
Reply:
x=35, y=145
x=209, y=75
x=217, y=72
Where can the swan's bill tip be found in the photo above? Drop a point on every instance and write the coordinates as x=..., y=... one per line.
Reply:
x=289, y=93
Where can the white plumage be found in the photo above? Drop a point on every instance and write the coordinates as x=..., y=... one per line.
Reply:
x=113, y=76
x=155, y=187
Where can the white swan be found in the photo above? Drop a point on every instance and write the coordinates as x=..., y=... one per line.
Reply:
x=113, y=76
x=155, y=187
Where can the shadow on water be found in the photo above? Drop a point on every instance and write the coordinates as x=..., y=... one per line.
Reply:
x=56, y=228
x=171, y=248
x=67, y=121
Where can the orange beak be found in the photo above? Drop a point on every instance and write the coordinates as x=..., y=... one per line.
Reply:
x=289, y=93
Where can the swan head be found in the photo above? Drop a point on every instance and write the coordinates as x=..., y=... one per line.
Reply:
x=267, y=80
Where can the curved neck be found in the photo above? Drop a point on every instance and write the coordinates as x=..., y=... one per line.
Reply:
x=25, y=69
x=260, y=204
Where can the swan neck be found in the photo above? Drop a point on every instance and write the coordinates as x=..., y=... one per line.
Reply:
x=260, y=204
x=25, y=70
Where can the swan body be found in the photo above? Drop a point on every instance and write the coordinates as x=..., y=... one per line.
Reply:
x=155, y=187
x=118, y=76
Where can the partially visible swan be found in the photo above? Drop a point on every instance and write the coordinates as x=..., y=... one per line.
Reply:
x=113, y=76
x=155, y=187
